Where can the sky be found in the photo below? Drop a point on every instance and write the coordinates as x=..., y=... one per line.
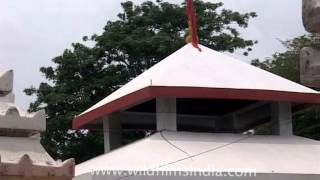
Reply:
x=33, y=32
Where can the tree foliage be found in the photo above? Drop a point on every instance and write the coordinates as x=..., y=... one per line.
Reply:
x=286, y=64
x=140, y=37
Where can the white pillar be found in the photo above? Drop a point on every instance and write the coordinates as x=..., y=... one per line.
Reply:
x=166, y=114
x=281, y=119
x=111, y=133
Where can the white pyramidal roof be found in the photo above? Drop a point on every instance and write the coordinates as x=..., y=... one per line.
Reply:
x=206, y=74
x=185, y=151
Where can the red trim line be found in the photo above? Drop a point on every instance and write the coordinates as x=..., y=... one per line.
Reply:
x=192, y=92
x=124, y=102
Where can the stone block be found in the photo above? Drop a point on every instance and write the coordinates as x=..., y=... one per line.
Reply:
x=6, y=82
x=310, y=67
x=311, y=15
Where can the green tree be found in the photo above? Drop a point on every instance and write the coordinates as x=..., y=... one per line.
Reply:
x=286, y=64
x=142, y=36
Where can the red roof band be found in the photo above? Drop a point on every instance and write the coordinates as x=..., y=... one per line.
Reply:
x=151, y=92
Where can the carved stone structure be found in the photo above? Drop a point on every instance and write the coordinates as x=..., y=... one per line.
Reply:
x=310, y=67
x=21, y=154
x=309, y=60
x=311, y=15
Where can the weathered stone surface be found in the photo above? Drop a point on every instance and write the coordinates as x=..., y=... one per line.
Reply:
x=11, y=117
x=21, y=154
x=6, y=82
x=310, y=67
x=9, y=98
x=311, y=15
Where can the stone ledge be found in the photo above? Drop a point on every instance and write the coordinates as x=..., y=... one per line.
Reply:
x=26, y=168
x=12, y=118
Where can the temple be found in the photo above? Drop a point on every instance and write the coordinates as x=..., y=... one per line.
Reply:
x=201, y=106
x=21, y=154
